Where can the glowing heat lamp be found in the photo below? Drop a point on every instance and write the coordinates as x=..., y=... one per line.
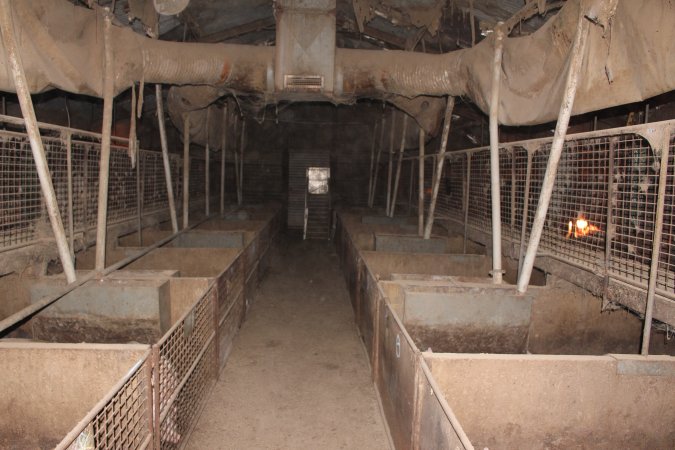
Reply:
x=580, y=227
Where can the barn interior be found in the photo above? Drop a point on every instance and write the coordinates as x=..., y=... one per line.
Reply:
x=430, y=224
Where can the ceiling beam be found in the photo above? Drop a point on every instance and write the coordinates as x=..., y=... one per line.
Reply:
x=238, y=30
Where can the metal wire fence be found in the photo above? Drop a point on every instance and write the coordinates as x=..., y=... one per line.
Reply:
x=73, y=159
x=602, y=213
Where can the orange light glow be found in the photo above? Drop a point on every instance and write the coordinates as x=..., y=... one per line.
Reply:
x=580, y=228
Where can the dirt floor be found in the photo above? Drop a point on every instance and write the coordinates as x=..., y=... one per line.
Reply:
x=298, y=376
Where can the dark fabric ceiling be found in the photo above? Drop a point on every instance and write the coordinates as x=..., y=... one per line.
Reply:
x=392, y=24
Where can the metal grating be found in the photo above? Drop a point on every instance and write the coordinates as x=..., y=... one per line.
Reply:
x=125, y=420
x=633, y=207
x=666, y=273
x=580, y=193
x=450, y=202
x=185, y=408
x=480, y=213
x=607, y=178
x=23, y=220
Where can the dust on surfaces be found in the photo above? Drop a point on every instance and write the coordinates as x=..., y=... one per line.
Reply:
x=467, y=339
x=273, y=343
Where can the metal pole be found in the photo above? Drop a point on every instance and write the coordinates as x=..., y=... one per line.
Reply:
x=236, y=159
x=398, y=166
x=526, y=210
x=23, y=93
x=420, y=184
x=411, y=183
x=439, y=166
x=577, y=58
x=495, y=191
x=71, y=225
x=467, y=196
x=222, y=160
x=165, y=157
x=372, y=163
x=207, y=164
x=186, y=169
x=106, y=130
x=656, y=242
x=371, y=200
x=391, y=160
x=240, y=192
x=139, y=200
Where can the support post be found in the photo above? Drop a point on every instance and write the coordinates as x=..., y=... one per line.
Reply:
x=439, y=166
x=390, y=166
x=576, y=60
x=411, y=183
x=420, y=184
x=236, y=161
x=165, y=157
x=371, y=200
x=207, y=168
x=526, y=210
x=106, y=131
x=394, y=196
x=372, y=163
x=656, y=242
x=33, y=131
x=495, y=191
x=186, y=170
x=223, y=143
x=71, y=225
x=139, y=200
x=240, y=191
x=467, y=197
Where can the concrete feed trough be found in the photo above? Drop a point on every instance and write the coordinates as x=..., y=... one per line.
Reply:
x=559, y=402
x=48, y=389
x=127, y=306
x=463, y=315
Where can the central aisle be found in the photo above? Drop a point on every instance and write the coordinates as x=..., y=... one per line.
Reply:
x=298, y=377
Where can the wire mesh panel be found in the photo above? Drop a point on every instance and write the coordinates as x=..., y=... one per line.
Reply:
x=124, y=421
x=520, y=179
x=577, y=213
x=480, y=214
x=20, y=196
x=633, y=207
x=197, y=177
x=506, y=183
x=184, y=357
x=122, y=189
x=450, y=201
x=23, y=218
x=666, y=273
x=184, y=410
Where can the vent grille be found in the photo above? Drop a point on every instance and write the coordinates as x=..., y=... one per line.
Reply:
x=303, y=82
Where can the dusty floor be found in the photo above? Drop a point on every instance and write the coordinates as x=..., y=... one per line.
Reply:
x=298, y=377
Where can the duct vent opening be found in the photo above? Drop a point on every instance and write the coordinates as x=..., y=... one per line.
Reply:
x=303, y=82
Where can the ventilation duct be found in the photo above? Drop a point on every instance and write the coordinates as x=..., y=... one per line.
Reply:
x=305, y=48
x=629, y=58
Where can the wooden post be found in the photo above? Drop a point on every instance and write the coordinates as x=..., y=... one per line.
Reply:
x=371, y=200
x=398, y=166
x=577, y=57
x=186, y=170
x=223, y=144
x=207, y=164
x=440, y=160
x=165, y=157
x=420, y=185
x=390, y=166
